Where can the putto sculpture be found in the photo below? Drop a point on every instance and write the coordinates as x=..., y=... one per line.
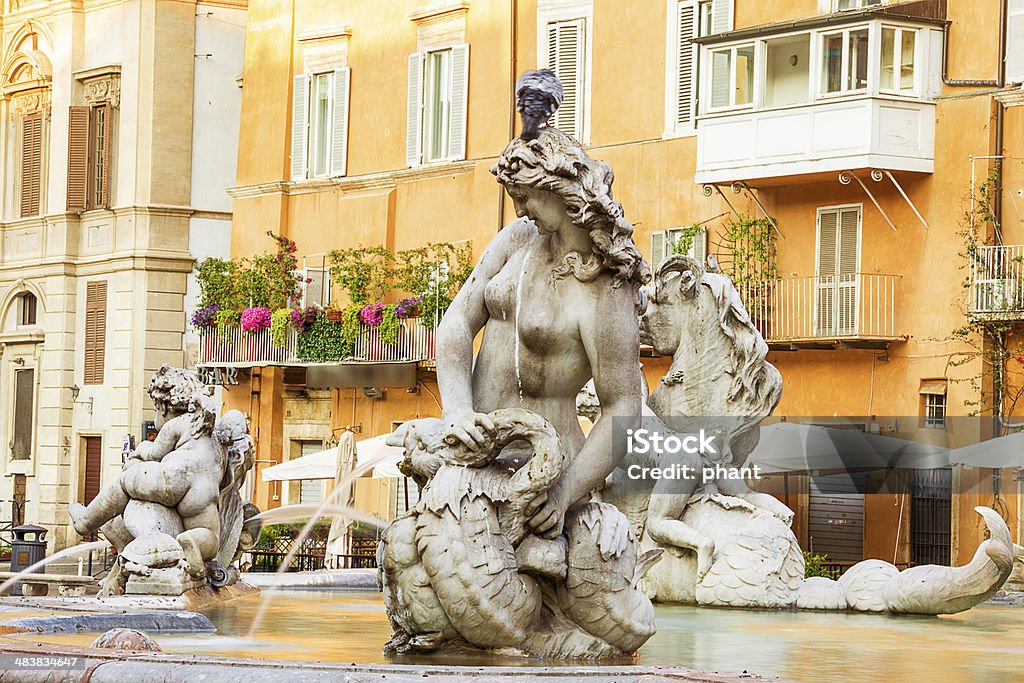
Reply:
x=175, y=513
x=505, y=549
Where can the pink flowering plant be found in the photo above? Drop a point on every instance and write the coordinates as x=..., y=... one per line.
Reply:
x=302, y=318
x=255, y=319
x=372, y=314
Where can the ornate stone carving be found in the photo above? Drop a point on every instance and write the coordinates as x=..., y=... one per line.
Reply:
x=175, y=513
x=104, y=89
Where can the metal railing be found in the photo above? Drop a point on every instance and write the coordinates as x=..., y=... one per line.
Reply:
x=831, y=307
x=415, y=343
x=997, y=281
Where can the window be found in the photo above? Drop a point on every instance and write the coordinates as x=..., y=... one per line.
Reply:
x=28, y=309
x=838, y=258
x=438, y=88
x=316, y=279
x=24, y=410
x=704, y=18
x=1015, y=42
x=437, y=102
x=787, y=71
x=95, y=331
x=320, y=124
x=566, y=55
x=31, y=164
x=679, y=241
x=89, y=157
x=843, y=5
x=732, y=77
x=844, y=61
x=896, y=69
x=681, y=60
x=935, y=411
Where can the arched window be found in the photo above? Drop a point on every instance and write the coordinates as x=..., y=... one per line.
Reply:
x=27, y=304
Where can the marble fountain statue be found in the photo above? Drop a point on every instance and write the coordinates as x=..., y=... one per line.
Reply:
x=175, y=513
x=514, y=546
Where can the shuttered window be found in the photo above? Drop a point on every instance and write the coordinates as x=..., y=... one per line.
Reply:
x=93, y=448
x=95, y=331
x=31, y=164
x=1015, y=42
x=24, y=410
x=682, y=54
x=566, y=56
x=320, y=113
x=78, y=158
x=722, y=12
x=837, y=262
x=90, y=136
x=437, y=105
x=666, y=242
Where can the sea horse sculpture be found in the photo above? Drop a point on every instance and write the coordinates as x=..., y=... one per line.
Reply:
x=726, y=545
x=506, y=549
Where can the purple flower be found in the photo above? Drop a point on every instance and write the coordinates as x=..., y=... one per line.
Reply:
x=255, y=319
x=408, y=308
x=205, y=316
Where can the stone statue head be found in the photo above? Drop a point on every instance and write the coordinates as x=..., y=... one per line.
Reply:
x=685, y=303
x=555, y=163
x=176, y=392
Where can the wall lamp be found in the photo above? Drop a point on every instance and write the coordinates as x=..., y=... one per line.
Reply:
x=75, y=390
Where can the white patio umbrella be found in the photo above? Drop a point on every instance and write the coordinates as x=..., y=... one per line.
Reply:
x=338, y=537
x=796, y=447
x=324, y=464
x=1005, y=451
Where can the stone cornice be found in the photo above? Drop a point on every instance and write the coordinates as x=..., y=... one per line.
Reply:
x=370, y=181
x=325, y=33
x=436, y=11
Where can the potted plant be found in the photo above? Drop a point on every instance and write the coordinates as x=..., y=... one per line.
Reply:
x=252, y=321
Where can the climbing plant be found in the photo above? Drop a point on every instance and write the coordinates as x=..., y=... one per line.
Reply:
x=993, y=335
x=322, y=342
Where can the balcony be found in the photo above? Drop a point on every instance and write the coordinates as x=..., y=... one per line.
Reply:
x=856, y=310
x=997, y=283
x=824, y=137
x=246, y=349
x=814, y=98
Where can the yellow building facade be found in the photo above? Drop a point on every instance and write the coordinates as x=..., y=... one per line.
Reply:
x=865, y=131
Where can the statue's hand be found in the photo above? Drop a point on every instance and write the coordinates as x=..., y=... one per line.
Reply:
x=474, y=430
x=615, y=536
x=546, y=515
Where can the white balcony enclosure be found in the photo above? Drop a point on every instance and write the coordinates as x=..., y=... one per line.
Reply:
x=997, y=283
x=847, y=91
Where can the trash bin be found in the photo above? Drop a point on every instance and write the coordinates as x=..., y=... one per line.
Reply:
x=27, y=548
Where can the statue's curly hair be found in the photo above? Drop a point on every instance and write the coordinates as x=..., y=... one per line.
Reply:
x=175, y=392
x=557, y=163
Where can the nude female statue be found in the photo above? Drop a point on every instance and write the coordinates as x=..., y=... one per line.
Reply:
x=556, y=294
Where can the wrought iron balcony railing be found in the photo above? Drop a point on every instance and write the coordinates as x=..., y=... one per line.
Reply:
x=832, y=309
x=415, y=343
x=997, y=282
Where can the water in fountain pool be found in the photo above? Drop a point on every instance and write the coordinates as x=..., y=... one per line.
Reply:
x=347, y=626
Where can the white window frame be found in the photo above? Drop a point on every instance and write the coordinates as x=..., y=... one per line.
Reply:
x=672, y=128
x=857, y=4
x=313, y=136
x=418, y=157
x=872, y=64
x=554, y=11
x=932, y=404
x=430, y=107
x=897, y=64
x=708, y=73
x=668, y=237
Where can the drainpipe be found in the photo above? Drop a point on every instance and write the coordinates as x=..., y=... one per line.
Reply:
x=513, y=40
x=997, y=208
x=960, y=83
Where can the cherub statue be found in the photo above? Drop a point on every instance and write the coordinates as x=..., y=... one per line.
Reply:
x=181, y=485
